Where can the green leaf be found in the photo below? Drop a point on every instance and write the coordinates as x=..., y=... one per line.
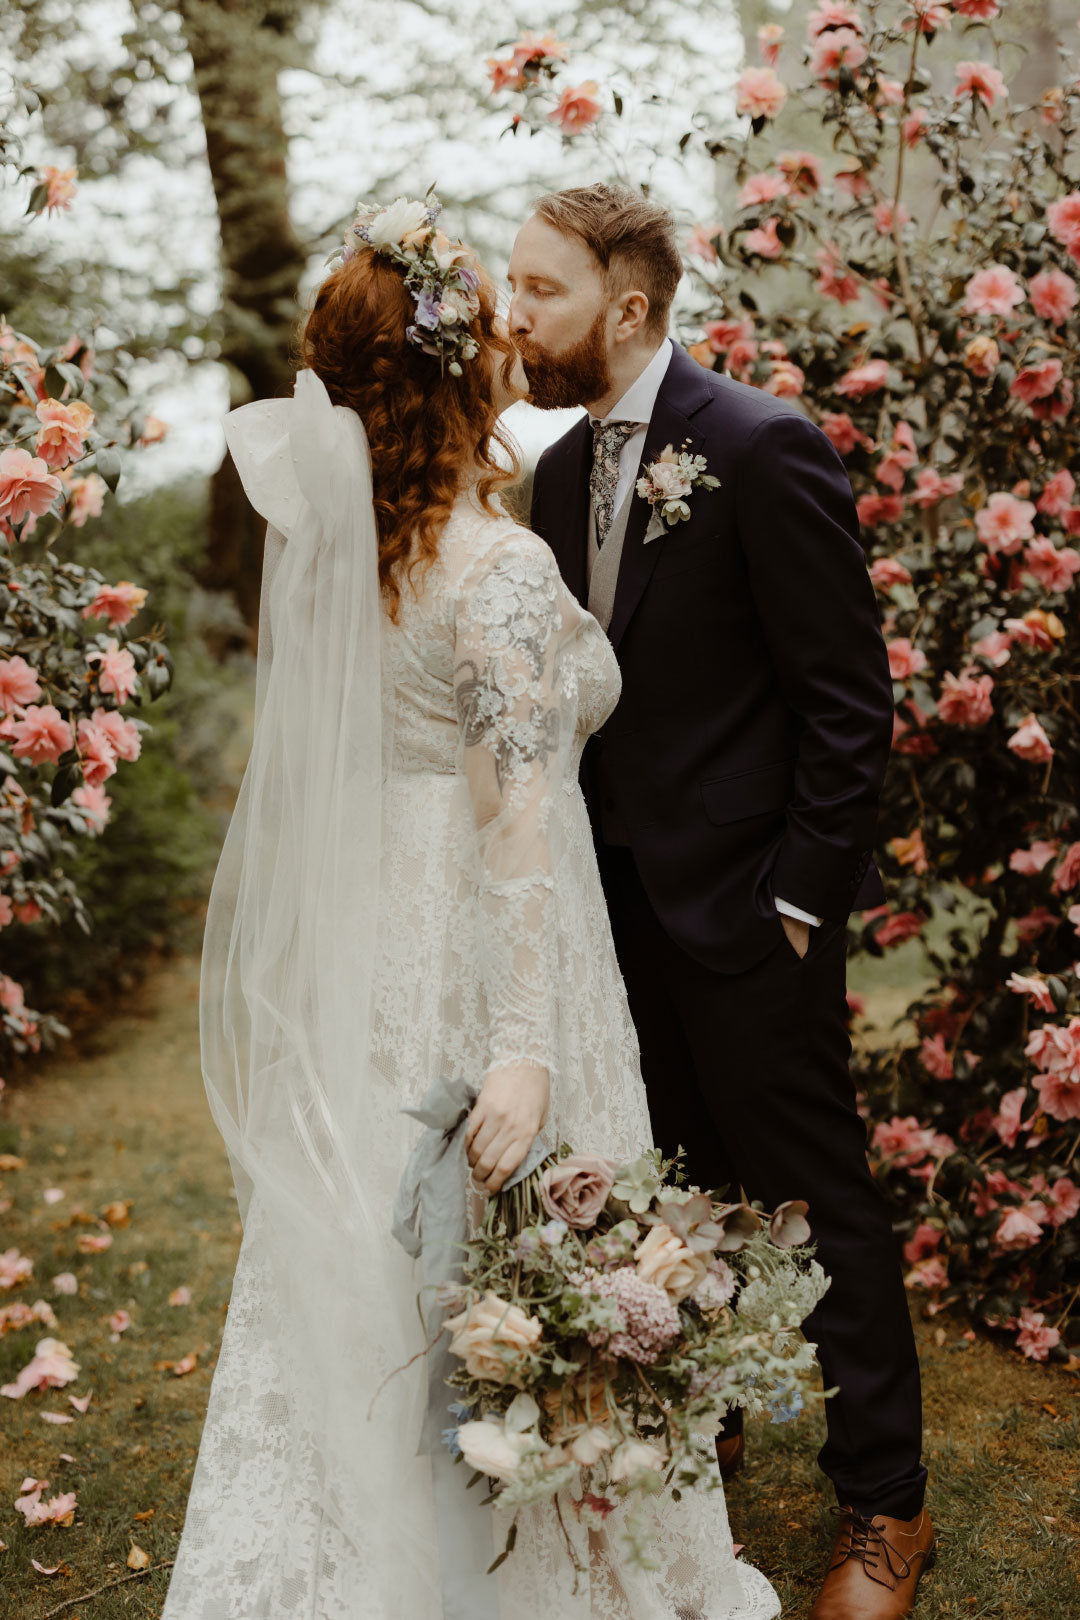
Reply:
x=64, y=783
x=107, y=464
x=38, y=198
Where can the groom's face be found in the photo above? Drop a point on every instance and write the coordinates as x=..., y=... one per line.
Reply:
x=560, y=317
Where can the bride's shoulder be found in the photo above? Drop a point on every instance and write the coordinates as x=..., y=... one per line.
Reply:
x=495, y=545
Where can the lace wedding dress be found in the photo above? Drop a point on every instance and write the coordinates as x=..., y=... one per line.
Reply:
x=493, y=946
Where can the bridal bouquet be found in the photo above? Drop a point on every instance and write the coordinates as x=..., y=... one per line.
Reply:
x=607, y=1318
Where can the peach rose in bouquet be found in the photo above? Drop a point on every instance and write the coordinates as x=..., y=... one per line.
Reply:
x=490, y=1336
x=668, y=1263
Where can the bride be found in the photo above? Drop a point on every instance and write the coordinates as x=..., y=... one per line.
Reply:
x=407, y=889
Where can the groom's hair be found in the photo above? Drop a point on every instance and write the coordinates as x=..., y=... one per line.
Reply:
x=632, y=239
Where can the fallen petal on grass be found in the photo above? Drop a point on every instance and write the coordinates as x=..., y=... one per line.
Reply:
x=117, y=1213
x=93, y=1242
x=81, y=1402
x=180, y=1296
x=137, y=1558
x=55, y=1417
x=53, y=1195
x=66, y=1282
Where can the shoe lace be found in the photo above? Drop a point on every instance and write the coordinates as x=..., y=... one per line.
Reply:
x=866, y=1542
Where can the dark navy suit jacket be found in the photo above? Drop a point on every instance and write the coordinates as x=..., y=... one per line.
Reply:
x=748, y=749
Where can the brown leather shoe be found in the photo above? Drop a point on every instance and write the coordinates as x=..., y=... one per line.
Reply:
x=730, y=1453
x=876, y=1567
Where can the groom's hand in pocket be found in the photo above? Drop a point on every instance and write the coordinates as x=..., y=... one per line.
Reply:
x=798, y=933
x=511, y=1108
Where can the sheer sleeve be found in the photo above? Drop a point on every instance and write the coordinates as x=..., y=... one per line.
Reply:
x=516, y=707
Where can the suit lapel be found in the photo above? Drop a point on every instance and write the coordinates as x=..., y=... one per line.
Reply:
x=681, y=393
x=569, y=539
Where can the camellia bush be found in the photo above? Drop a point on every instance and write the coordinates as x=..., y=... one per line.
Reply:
x=71, y=666
x=917, y=293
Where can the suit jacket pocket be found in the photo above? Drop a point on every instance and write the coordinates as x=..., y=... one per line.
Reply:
x=749, y=793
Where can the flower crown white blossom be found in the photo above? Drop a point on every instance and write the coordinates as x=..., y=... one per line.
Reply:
x=443, y=286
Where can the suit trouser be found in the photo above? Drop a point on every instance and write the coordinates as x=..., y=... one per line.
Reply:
x=749, y=1073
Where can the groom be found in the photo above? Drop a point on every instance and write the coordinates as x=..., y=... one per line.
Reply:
x=733, y=795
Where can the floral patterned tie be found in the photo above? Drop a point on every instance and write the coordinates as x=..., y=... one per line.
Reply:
x=608, y=440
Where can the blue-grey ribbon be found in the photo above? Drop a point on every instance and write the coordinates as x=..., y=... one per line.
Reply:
x=431, y=1223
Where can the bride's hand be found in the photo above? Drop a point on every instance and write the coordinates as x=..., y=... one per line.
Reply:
x=511, y=1108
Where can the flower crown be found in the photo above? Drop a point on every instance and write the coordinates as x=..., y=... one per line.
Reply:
x=443, y=286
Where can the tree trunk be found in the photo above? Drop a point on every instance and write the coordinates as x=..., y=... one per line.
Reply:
x=238, y=47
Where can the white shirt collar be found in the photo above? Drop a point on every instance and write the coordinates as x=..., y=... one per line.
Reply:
x=639, y=401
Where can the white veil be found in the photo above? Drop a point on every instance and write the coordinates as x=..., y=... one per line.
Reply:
x=287, y=969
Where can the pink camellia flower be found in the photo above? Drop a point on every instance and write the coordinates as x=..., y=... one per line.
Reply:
x=913, y=125
x=875, y=509
x=993, y=291
x=66, y=1282
x=578, y=107
x=885, y=216
x=1063, y=218
x=60, y=185
x=1034, y=923
x=898, y=459
x=1056, y=1048
x=925, y=1240
x=1031, y=984
x=1067, y=875
x=62, y=434
x=1057, y=494
x=720, y=335
x=1055, y=570
x=180, y=1296
x=863, y=380
x=741, y=356
x=28, y=911
x=965, y=699
x=1032, y=860
x=15, y=1268
x=116, y=672
x=759, y=93
x=701, y=242
x=904, y=659
x=41, y=736
x=764, y=241
x=7, y=910
x=928, y=16
x=11, y=997
x=19, y=684
x=1037, y=382
x=1036, y=629
x=842, y=433
x=1016, y=1230
x=1030, y=742
x=94, y=803
x=901, y=926
x=762, y=188
x=982, y=356
x=833, y=14
x=1008, y=1121
x=890, y=92
x=852, y=178
x=27, y=487
x=117, y=603
x=86, y=498
x=1004, y=523
x=93, y=1242
x=803, y=172
x=770, y=37
x=836, y=49
x=932, y=487
x=1053, y=296
x=935, y=1057
x=910, y=851
x=1064, y=1201
x=96, y=752
x=533, y=47
x=835, y=282
x=51, y=1368
x=119, y=1322
x=124, y=735
x=981, y=80
x=504, y=73
x=887, y=572
x=1035, y=1339
x=979, y=10
x=1059, y=1095
x=785, y=380
x=929, y=1273
x=57, y=1510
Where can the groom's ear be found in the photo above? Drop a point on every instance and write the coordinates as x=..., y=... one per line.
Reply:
x=633, y=314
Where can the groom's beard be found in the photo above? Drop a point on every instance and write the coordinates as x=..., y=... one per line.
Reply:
x=581, y=373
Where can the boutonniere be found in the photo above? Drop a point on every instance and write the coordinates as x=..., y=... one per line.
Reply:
x=666, y=483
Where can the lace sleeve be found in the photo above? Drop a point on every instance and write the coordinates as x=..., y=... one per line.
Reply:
x=516, y=718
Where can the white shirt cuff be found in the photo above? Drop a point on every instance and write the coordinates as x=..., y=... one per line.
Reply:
x=794, y=911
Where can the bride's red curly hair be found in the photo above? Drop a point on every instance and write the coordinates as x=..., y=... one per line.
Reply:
x=428, y=431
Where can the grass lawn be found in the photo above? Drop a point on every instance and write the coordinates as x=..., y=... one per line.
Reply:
x=128, y=1121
